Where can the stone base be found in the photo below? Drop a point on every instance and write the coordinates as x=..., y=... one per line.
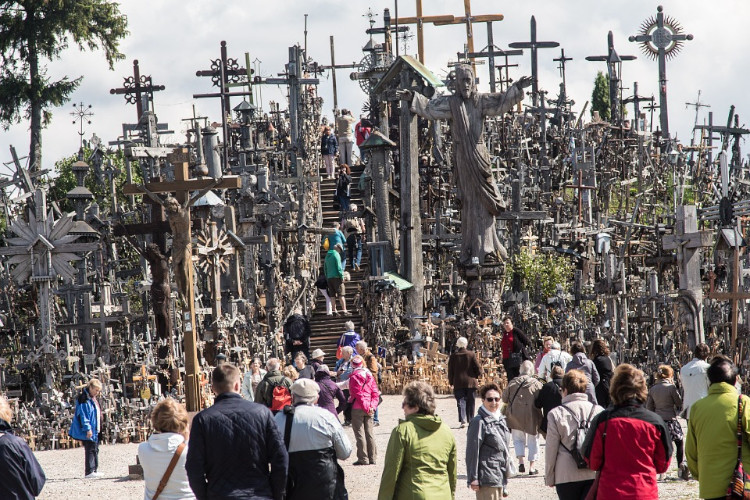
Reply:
x=484, y=289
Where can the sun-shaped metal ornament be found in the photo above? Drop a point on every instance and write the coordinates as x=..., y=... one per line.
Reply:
x=214, y=251
x=661, y=32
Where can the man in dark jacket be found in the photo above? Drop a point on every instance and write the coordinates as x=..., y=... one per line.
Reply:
x=21, y=476
x=232, y=445
x=297, y=334
x=273, y=378
x=550, y=397
x=463, y=371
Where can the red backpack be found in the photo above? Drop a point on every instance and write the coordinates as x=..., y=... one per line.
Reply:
x=280, y=398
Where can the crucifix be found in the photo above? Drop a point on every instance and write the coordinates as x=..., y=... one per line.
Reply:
x=614, y=70
x=637, y=100
x=420, y=20
x=216, y=249
x=563, y=60
x=534, y=45
x=580, y=187
x=225, y=72
x=517, y=215
x=138, y=89
x=726, y=132
x=506, y=80
x=178, y=214
x=661, y=38
x=333, y=67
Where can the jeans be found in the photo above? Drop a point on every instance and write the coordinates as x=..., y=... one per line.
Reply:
x=522, y=442
x=354, y=248
x=344, y=202
x=345, y=150
x=576, y=490
x=91, y=449
x=465, y=399
x=367, y=451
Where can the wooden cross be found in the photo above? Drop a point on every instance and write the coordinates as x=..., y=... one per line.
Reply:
x=134, y=87
x=469, y=20
x=505, y=81
x=517, y=215
x=420, y=20
x=489, y=53
x=614, y=70
x=637, y=100
x=182, y=186
x=563, y=60
x=333, y=67
x=534, y=45
x=580, y=187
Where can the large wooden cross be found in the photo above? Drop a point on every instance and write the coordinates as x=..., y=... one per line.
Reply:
x=420, y=20
x=182, y=187
x=534, y=45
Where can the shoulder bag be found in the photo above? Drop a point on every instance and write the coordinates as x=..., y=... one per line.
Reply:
x=739, y=486
x=168, y=472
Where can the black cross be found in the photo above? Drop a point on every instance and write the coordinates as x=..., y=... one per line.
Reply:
x=534, y=45
x=614, y=69
x=637, y=100
x=134, y=87
x=489, y=53
x=562, y=60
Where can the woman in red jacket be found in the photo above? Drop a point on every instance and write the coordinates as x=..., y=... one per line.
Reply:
x=627, y=444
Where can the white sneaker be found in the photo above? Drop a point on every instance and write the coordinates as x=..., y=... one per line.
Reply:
x=93, y=475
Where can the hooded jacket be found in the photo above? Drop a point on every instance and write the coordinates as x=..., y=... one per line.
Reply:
x=155, y=455
x=21, y=476
x=487, y=444
x=363, y=390
x=581, y=362
x=86, y=418
x=328, y=392
x=332, y=264
x=420, y=462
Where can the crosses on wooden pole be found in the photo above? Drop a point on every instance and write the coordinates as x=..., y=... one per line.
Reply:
x=637, y=100
x=420, y=20
x=534, y=45
x=562, y=60
x=614, y=71
x=489, y=53
x=136, y=87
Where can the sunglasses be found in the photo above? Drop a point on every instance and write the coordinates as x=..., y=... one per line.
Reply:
x=492, y=400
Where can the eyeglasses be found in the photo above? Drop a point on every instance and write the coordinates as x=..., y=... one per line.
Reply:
x=492, y=400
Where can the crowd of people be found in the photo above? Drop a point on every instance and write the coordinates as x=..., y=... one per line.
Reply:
x=275, y=434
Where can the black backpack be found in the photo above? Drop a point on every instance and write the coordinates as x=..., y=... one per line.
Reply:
x=580, y=436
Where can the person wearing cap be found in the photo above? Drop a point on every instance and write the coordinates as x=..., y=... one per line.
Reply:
x=329, y=391
x=364, y=396
x=463, y=372
x=315, y=440
x=317, y=358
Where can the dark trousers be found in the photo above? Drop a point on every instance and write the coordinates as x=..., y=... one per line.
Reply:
x=91, y=449
x=679, y=452
x=511, y=372
x=348, y=408
x=465, y=403
x=577, y=490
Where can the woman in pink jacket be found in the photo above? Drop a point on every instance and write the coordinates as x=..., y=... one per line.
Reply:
x=364, y=396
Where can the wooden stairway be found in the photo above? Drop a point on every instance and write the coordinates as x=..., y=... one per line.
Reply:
x=326, y=330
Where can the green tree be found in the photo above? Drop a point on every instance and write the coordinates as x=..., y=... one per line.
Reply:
x=541, y=274
x=600, y=96
x=33, y=31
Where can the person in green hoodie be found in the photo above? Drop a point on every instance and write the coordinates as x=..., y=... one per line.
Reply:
x=420, y=462
x=711, y=447
x=335, y=276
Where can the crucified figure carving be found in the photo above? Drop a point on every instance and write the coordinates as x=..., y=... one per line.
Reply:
x=178, y=216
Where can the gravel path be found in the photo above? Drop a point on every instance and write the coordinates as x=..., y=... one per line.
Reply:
x=64, y=468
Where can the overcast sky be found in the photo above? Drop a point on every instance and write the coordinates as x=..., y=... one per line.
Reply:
x=174, y=38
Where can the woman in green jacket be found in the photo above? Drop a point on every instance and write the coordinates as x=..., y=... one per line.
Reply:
x=420, y=462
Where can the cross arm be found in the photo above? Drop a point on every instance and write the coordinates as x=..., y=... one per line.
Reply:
x=226, y=182
x=425, y=19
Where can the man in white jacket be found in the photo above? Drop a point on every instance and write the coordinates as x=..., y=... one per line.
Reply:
x=555, y=357
x=694, y=378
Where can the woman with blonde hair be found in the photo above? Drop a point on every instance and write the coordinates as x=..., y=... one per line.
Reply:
x=21, y=476
x=665, y=400
x=627, y=444
x=163, y=455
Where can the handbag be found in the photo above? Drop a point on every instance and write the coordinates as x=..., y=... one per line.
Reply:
x=515, y=359
x=339, y=355
x=739, y=486
x=593, y=490
x=168, y=472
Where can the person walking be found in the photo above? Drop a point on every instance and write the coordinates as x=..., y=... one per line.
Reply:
x=329, y=146
x=364, y=396
x=420, y=462
x=322, y=285
x=371, y=363
x=664, y=399
x=344, y=135
x=549, y=397
x=694, y=378
x=715, y=421
x=513, y=344
x=523, y=416
x=21, y=476
x=362, y=131
x=603, y=364
x=343, y=184
x=164, y=454
x=354, y=230
x=235, y=449
x=86, y=426
x=487, y=445
x=335, y=277
x=329, y=391
x=581, y=362
x=555, y=357
x=561, y=469
x=627, y=444
x=463, y=372
x=297, y=334
x=344, y=370
x=546, y=346
x=349, y=337
x=251, y=379
x=315, y=442
x=270, y=390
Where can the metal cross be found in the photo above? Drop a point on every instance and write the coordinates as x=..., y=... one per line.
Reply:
x=614, y=70
x=136, y=87
x=534, y=45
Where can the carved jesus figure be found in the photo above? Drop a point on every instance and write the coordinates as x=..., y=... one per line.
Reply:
x=477, y=192
x=182, y=248
x=160, y=290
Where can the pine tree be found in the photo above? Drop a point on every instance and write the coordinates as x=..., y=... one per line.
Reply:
x=37, y=30
x=600, y=96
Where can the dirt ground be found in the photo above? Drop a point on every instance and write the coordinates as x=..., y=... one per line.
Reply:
x=64, y=468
